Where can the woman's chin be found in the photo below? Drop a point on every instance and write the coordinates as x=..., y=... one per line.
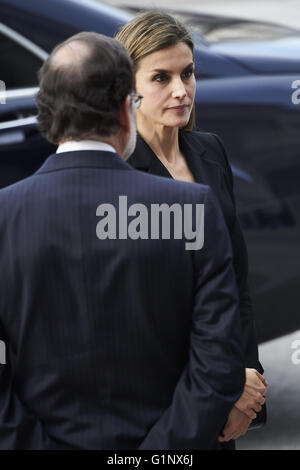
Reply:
x=179, y=122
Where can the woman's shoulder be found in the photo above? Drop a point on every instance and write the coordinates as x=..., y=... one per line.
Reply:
x=208, y=140
x=208, y=144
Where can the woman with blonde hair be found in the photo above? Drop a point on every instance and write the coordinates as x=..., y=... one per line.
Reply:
x=162, y=52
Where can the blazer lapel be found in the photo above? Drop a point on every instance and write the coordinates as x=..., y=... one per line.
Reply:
x=144, y=158
x=192, y=155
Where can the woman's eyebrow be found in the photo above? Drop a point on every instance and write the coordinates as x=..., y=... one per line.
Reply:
x=168, y=71
x=160, y=70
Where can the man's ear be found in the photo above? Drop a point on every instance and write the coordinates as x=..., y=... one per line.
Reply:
x=124, y=114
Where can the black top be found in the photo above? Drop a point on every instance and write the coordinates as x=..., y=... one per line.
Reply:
x=206, y=158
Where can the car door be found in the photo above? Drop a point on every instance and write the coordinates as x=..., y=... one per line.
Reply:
x=22, y=148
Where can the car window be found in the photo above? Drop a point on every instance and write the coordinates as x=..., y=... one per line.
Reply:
x=18, y=65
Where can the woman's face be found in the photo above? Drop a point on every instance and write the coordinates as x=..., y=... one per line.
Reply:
x=167, y=82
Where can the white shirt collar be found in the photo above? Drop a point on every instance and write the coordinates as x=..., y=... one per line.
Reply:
x=77, y=145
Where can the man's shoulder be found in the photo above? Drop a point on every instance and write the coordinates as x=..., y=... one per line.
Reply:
x=14, y=198
x=15, y=189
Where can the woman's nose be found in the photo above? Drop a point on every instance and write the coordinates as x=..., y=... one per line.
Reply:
x=179, y=90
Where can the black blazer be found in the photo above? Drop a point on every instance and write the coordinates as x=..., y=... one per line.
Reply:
x=208, y=162
x=112, y=343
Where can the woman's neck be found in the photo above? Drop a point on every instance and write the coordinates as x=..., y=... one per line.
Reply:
x=163, y=141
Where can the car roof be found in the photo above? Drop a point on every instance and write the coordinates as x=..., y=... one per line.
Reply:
x=50, y=22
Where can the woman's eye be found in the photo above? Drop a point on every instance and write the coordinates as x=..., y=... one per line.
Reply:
x=188, y=73
x=160, y=78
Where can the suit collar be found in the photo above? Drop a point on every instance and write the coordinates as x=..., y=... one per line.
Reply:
x=83, y=159
x=75, y=145
x=145, y=159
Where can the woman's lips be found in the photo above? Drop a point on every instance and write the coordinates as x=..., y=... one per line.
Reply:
x=179, y=108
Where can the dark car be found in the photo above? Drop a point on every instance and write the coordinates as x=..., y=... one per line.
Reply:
x=247, y=80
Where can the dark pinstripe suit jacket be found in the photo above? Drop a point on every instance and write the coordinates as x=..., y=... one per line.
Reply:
x=112, y=344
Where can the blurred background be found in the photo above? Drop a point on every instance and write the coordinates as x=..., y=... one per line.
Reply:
x=285, y=12
x=247, y=68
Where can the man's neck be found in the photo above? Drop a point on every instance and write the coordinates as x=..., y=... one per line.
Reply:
x=112, y=141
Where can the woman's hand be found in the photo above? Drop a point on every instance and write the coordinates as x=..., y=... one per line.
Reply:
x=252, y=397
x=236, y=425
